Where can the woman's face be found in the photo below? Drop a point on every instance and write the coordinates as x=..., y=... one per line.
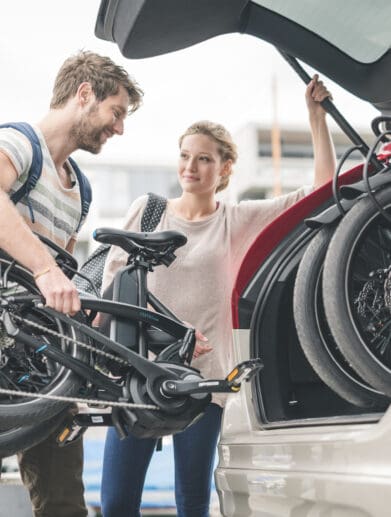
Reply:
x=200, y=166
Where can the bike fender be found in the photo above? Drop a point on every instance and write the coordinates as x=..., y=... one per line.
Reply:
x=350, y=194
x=330, y=215
x=356, y=189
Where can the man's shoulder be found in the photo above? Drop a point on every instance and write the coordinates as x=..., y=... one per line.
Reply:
x=17, y=148
x=13, y=135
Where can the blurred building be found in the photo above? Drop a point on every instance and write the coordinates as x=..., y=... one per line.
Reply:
x=255, y=173
x=115, y=186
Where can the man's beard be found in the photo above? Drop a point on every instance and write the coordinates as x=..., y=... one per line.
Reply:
x=88, y=136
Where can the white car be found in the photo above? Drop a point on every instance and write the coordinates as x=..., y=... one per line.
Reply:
x=311, y=435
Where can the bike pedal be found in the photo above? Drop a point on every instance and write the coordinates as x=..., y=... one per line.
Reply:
x=243, y=372
x=69, y=433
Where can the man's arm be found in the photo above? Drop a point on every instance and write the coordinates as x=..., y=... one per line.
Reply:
x=17, y=239
x=324, y=153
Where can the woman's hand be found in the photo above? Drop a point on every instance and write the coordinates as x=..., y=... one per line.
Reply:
x=97, y=320
x=315, y=93
x=324, y=153
x=201, y=347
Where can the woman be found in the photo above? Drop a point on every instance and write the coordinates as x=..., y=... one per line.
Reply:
x=197, y=287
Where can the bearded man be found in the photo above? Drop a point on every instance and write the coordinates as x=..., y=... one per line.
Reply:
x=91, y=98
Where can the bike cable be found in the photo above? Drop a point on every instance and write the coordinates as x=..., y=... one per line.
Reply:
x=336, y=193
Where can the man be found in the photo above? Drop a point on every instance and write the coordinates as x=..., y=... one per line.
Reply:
x=91, y=98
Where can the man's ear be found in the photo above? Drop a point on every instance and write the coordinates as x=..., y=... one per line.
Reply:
x=85, y=94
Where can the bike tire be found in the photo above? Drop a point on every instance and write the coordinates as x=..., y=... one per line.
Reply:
x=313, y=331
x=360, y=245
x=20, y=438
x=53, y=379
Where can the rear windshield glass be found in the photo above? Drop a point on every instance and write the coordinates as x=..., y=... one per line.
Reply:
x=360, y=29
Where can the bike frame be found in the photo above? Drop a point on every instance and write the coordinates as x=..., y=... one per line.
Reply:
x=128, y=315
x=130, y=285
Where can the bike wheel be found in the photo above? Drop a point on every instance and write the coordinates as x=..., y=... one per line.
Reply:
x=20, y=438
x=355, y=264
x=23, y=369
x=314, y=334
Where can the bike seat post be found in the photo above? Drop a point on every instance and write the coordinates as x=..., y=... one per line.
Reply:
x=130, y=287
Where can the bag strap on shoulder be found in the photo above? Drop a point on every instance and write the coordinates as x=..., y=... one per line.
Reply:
x=85, y=192
x=35, y=171
x=94, y=265
x=153, y=212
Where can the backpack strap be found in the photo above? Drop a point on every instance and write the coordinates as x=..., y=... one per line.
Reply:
x=92, y=269
x=35, y=170
x=85, y=191
x=34, y=173
x=153, y=212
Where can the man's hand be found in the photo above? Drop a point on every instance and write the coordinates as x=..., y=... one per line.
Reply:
x=59, y=292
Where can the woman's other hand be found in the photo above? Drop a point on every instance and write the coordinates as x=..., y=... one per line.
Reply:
x=315, y=93
x=324, y=153
x=202, y=346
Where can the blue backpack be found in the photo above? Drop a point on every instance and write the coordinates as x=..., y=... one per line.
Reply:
x=35, y=171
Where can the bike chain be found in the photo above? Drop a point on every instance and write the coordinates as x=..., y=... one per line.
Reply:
x=71, y=340
x=75, y=399
x=94, y=402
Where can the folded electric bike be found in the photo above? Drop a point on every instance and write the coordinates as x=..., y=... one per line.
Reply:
x=50, y=361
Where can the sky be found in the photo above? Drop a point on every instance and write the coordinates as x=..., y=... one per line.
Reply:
x=227, y=79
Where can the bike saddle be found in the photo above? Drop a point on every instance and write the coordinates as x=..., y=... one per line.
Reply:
x=130, y=241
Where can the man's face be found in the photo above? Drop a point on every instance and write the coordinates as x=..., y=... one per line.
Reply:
x=101, y=121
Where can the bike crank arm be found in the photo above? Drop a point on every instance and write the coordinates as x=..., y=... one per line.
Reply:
x=76, y=366
x=242, y=372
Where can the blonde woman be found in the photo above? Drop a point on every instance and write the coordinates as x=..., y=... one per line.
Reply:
x=197, y=287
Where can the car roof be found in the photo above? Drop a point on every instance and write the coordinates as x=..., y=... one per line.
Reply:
x=348, y=41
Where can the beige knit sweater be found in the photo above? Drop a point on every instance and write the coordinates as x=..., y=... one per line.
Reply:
x=197, y=286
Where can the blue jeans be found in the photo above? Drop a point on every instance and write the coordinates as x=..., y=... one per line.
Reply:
x=126, y=462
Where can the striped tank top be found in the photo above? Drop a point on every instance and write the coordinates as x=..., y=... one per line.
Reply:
x=56, y=209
